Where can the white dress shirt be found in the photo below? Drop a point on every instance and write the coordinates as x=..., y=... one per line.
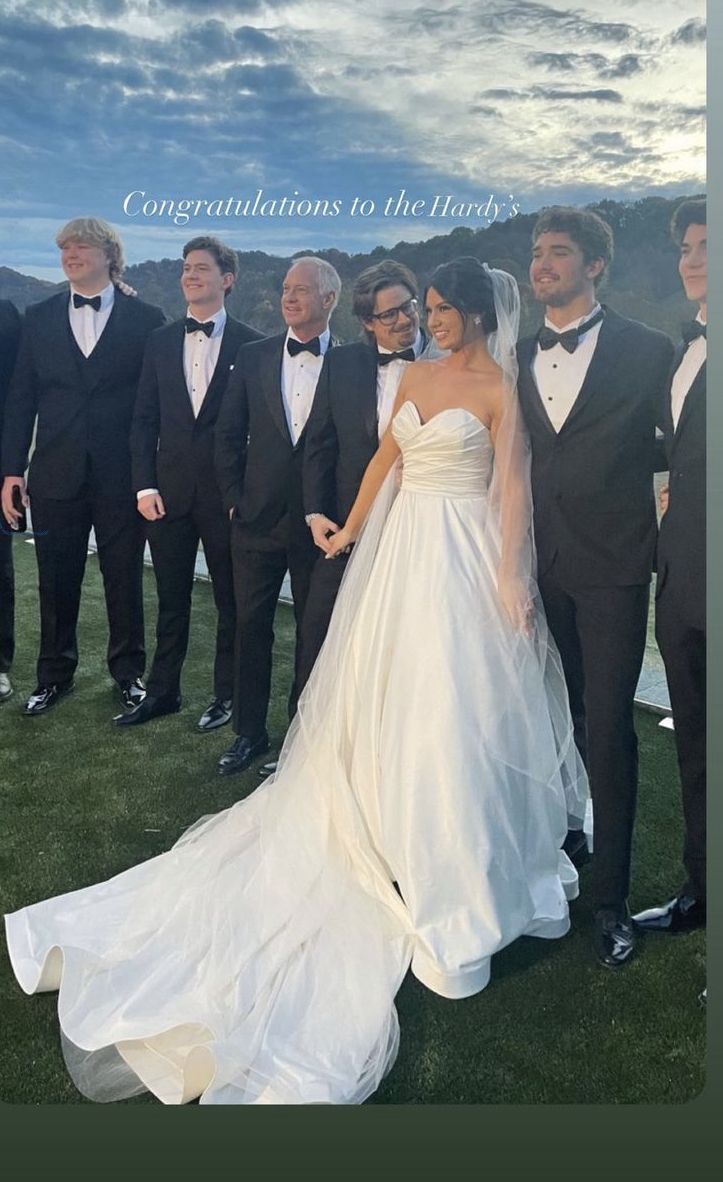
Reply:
x=200, y=357
x=299, y=376
x=388, y=380
x=559, y=375
x=86, y=323
x=686, y=373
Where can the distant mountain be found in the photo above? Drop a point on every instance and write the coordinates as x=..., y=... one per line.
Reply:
x=643, y=281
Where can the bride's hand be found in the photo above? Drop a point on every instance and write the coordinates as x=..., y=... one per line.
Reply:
x=517, y=602
x=340, y=543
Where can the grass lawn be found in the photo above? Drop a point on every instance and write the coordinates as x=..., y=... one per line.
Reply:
x=82, y=801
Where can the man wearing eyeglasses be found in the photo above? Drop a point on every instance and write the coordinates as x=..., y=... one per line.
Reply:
x=352, y=410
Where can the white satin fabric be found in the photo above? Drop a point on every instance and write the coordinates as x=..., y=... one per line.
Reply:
x=257, y=961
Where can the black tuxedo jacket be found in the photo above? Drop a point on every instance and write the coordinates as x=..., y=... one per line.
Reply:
x=83, y=405
x=9, y=339
x=592, y=482
x=258, y=467
x=171, y=449
x=681, y=544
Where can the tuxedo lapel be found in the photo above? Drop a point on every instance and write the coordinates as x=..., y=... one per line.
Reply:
x=528, y=392
x=367, y=378
x=692, y=398
x=230, y=345
x=174, y=360
x=103, y=357
x=601, y=366
x=270, y=379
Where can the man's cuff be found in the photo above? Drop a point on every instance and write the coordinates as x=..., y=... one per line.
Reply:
x=310, y=517
x=145, y=492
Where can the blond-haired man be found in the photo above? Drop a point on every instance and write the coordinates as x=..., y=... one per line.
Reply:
x=75, y=381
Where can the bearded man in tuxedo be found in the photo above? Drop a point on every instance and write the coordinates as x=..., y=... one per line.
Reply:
x=589, y=388
x=680, y=603
x=76, y=377
x=186, y=368
x=260, y=437
x=9, y=339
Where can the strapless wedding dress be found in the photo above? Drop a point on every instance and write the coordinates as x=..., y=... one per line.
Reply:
x=257, y=960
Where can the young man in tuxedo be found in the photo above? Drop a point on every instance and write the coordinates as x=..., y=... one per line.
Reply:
x=185, y=372
x=260, y=439
x=352, y=410
x=680, y=624
x=77, y=374
x=9, y=338
x=589, y=387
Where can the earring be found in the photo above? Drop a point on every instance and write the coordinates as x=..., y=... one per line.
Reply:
x=478, y=319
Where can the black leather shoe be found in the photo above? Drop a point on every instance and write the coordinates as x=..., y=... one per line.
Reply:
x=575, y=846
x=217, y=714
x=684, y=913
x=150, y=708
x=268, y=769
x=613, y=938
x=132, y=693
x=241, y=753
x=44, y=697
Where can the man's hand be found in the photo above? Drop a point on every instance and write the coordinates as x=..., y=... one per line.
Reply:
x=340, y=543
x=151, y=507
x=663, y=499
x=10, y=513
x=320, y=526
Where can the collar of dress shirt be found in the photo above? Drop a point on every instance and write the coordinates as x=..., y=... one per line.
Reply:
x=700, y=317
x=324, y=338
x=417, y=344
x=107, y=295
x=574, y=323
x=219, y=321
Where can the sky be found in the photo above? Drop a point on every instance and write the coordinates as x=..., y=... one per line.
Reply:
x=495, y=105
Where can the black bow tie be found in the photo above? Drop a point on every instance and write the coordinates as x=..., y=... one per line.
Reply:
x=80, y=301
x=196, y=326
x=400, y=355
x=295, y=347
x=692, y=329
x=547, y=337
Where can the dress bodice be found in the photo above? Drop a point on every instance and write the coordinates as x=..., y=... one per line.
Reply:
x=451, y=454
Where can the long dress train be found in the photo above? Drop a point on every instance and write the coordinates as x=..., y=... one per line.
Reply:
x=257, y=960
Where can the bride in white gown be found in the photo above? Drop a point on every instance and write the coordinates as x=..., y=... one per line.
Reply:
x=420, y=803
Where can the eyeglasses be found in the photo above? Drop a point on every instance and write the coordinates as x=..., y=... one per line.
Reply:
x=391, y=315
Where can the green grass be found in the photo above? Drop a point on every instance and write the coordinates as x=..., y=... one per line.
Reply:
x=82, y=800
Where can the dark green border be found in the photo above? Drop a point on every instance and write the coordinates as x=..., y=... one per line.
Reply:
x=490, y=1142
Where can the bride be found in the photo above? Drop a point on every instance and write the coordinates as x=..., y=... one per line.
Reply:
x=420, y=802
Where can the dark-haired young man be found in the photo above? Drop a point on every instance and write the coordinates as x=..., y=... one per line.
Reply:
x=184, y=377
x=351, y=412
x=589, y=387
x=680, y=624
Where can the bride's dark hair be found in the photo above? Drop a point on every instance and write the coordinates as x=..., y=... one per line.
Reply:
x=467, y=285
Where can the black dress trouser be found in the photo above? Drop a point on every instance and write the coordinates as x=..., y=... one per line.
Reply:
x=600, y=633
x=62, y=529
x=682, y=644
x=7, y=599
x=174, y=546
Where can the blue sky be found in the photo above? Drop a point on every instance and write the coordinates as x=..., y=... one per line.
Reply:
x=523, y=100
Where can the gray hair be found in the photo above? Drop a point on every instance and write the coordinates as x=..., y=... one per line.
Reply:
x=327, y=277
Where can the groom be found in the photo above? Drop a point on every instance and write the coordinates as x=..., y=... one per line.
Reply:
x=589, y=388
x=680, y=623
x=260, y=439
x=352, y=410
x=186, y=368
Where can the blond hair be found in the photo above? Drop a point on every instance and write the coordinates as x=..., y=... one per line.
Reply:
x=95, y=232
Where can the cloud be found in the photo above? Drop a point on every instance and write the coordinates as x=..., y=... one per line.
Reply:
x=625, y=66
x=693, y=32
x=554, y=94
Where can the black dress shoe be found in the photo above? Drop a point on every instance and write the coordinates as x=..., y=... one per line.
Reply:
x=150, y=708
x=132, y=692
x=613, y=938
x=218, y=714
x=268, y=769
x=576, y=848
x=241, y=753
x=44, y=697
x=684, y=913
